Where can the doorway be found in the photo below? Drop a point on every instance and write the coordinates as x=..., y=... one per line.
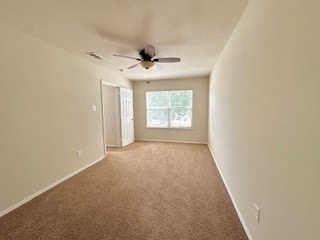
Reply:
x=117, y=115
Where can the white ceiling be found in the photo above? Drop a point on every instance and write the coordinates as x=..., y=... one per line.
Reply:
x=195, y=31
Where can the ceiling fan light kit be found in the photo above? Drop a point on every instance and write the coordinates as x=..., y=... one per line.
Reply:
x=147, y=59
x=147, y=64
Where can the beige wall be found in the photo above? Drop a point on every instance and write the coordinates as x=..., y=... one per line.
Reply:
x=200, y=110
x=264, y=118
x=45, y=105
x=111, y=113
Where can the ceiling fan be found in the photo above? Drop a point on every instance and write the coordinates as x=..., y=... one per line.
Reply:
x=147, y=60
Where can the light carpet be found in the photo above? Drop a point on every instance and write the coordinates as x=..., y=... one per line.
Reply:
x=147, y=190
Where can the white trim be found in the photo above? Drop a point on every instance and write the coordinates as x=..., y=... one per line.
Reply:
x=117, y=100
x=118, y=117
x=104, y=82
x=246, y=229
x=102, y=113
x=168, y=141
x=171, y=128
x=27, y=199
x=112, y=84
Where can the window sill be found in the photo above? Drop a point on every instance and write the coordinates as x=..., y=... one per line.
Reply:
x=171, y=128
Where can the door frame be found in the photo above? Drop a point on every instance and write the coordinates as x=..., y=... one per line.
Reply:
x=111, y=84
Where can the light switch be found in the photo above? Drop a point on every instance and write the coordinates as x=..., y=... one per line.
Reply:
x=256, y=212
x=79, y=154
x=93, y=108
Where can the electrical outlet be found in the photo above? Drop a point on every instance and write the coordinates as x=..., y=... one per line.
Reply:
x=256, y=212
x=79, y=154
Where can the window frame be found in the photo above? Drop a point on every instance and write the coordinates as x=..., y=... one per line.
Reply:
x=168, y=108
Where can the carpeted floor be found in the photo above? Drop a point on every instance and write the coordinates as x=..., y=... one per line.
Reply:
x=146, y=190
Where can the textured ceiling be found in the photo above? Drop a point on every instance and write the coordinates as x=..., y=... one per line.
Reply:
x=195, y=31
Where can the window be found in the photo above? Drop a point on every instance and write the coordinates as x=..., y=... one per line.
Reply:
x=169, y=109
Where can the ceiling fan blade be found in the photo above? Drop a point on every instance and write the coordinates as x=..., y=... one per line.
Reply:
x=157, y=67
x=133, y=66
x=150, y=50
x=117, y=55
x=166, y=60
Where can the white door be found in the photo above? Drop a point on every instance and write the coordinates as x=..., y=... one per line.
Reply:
x=126, y=107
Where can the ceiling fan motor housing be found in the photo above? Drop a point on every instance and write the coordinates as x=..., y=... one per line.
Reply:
x=146, y=59
x=145, y=56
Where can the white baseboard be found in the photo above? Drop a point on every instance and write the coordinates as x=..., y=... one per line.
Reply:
x=246, y=229
x=27, y=199
x=169, y=141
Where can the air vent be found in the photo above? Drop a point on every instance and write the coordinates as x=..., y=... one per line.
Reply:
x=94, y=55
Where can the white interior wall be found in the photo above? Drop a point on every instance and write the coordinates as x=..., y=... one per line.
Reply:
x=199, y=131
x=46, y=95
x=111, y=113
x=264, y=118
